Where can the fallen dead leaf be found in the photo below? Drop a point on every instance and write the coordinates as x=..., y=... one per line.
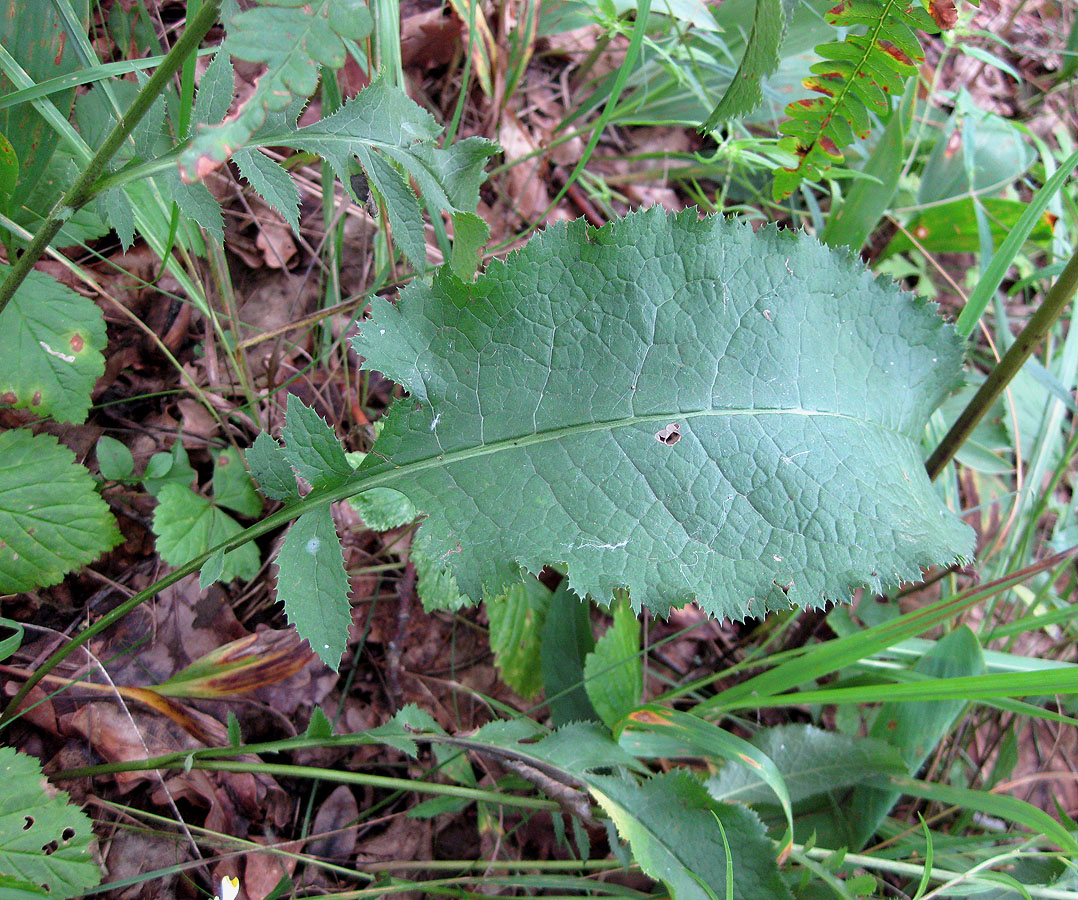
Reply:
x=335, y=819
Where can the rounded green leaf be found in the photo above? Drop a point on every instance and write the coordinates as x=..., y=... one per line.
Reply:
x=680, y=406
x=114, y=459
x=52, y=520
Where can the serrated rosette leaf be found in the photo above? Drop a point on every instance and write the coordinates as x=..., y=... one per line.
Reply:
x=294, y=39
x=678, y=406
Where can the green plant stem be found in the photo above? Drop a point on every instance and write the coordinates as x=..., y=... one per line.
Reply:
x=84, y=188
x=1035, y=331
x=335, y=775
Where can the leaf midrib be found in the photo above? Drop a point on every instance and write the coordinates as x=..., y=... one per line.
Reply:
x=385, y=474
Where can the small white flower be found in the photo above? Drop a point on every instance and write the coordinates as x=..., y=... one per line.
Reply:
x=230, y=888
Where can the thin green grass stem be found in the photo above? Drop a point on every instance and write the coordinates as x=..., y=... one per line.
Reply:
x=1055, y=302
x=83, y=188
x=313, y=772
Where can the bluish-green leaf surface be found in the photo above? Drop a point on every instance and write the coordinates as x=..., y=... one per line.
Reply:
x=680, y=406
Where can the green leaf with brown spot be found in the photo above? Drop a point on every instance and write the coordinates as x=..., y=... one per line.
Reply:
x=57, y=338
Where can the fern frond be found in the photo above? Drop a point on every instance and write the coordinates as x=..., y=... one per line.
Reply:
x=294, y=38
x=855, y=76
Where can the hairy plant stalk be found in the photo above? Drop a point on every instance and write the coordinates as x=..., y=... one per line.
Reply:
x=1035, y=331
x=85, y=187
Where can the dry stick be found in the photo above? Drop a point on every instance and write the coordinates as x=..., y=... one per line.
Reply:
x=1035, y=331
x=84, y=188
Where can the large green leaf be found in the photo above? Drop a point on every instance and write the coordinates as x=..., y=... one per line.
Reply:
x=52, y=520
x=51, y=340
x=44, y=841
x=678, y=406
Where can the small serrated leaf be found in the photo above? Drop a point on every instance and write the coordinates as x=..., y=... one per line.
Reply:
x=390, y=134
x=760, y=60
x=114, y=207
x=612, y=671
x=673, y=828
x=235, y=735
x=215, y=90
x=57, y=338
x=435, y=584
x=313, y=586
x=470, y=235
x=45, y=841
x=187, y=525
x=52, y=520
x=272, y=182
x=311, y=446
x=211, y=570
x=196, y=202
x=271, y=470
x=402, y=207
x=320, y=727
x=232, y=486
x=294, y=40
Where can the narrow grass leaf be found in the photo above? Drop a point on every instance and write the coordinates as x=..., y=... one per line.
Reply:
x=915, y=729
x=1010, y=809
x=854, y=219
x=1004, y=257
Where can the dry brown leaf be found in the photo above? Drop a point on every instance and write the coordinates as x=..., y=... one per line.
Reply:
x=335, y=819
x=524, y=182
x=119, y=737
x=275, y=240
